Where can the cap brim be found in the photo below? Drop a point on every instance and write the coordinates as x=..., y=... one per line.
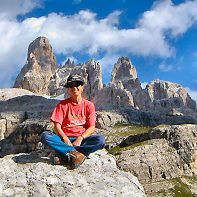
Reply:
x=66, y=85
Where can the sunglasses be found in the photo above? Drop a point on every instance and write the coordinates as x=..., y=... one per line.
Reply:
x=74, y=84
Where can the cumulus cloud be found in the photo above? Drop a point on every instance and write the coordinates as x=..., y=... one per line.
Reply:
x=12, y=8
x=84, y=32
x=165, y=67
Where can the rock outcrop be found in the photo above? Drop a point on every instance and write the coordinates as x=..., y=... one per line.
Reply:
x=168, y=152
x=113, y=96
x=34, y=175
x=125, y=72
x=124, y=90
x=8, y=93
x=40, y=67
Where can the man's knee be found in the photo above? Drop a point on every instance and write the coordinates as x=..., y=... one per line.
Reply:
x=100, y=141
x=45, y=136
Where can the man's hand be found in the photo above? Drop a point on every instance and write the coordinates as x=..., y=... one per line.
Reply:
x=78, y=141
x=67, y=141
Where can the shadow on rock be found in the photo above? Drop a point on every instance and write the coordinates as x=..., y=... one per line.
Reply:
x=44, y=156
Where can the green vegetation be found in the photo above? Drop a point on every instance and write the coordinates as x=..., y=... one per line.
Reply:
x=129, y=130
x=125, y=130
x=179, y=189
x=117, y=150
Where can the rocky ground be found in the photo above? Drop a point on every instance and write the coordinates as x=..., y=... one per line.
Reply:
x=163, y=158
x=34, y=175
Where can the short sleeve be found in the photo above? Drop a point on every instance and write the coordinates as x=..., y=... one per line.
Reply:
x=57, y=115
x=91, y=115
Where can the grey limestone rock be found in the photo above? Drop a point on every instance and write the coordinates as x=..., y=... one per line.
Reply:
x=106, y=119
x=113, y=96
x=125, y=72
x=8, y=93
x=40, y=67
x=168, y=152
x=34, y=175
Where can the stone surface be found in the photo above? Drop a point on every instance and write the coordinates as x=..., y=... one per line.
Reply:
x=169, y=153
x=25, y=138
x=8, y=93
x=33, y=175
x=113, y=96
x=106, y=119
x=40, y=67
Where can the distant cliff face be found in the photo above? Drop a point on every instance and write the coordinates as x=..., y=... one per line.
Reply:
x=167, y=96
x=41, y=75
x=40, y=67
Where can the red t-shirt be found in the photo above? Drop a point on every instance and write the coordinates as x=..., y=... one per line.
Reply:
x=74, y=118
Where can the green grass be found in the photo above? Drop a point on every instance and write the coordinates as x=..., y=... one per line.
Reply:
x=117, y=150
x=128, y=129
x=180, y=189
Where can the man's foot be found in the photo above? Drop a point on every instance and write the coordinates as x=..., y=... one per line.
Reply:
x=60, y=160
x=56, y=160
x=76, y=159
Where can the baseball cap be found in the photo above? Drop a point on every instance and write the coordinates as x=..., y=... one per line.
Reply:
x=74, y=78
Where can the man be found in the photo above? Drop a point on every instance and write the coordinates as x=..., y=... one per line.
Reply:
x=74, y=124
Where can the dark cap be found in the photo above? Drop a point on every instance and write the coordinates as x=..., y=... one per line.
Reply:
x=74, y=78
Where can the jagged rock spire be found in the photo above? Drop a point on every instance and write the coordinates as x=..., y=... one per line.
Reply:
x=40, y=67
x=123, y=70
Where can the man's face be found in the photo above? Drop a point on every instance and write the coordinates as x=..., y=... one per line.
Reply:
x=75, y=88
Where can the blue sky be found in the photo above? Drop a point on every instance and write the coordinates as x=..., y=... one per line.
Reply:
x=158, y=36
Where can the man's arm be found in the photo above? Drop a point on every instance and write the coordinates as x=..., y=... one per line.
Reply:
x=59, y=131
x=87, y=133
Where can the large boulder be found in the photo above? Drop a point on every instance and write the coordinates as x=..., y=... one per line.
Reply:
x=164, y=153
x=34, y=175
x=40, y=67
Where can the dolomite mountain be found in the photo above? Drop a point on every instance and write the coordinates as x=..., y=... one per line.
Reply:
x=41, y=75
x=40, y=67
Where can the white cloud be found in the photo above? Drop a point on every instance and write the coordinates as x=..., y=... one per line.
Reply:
x=192, y=93
x=12, y=8
x=165, y=67
x=84, y=32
